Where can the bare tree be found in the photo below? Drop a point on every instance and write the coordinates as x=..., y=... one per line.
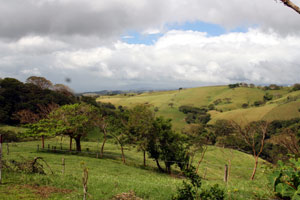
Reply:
x=40, y=82
x=288, y=139
x=254, y=135
x=290, y=4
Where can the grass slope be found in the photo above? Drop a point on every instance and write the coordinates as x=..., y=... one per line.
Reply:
x=230, y=103
x=108, y=176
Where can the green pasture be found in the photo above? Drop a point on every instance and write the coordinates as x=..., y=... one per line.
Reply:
x=109, y=176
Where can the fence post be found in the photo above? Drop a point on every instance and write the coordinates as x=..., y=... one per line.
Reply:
x=7, y=147
x=226, y=173
x=38, y=147
x=60, y=146
x=84, y=182
x=63, y=165
x=205, y=171
x=48, y=147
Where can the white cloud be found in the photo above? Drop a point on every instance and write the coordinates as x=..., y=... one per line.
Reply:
x=192, y=58
x=79, y=39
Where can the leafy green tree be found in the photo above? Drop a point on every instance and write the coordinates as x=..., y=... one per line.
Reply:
x=139, y=126
x=166, y=145
x=74, y=121
x=117, y=128
x=42, y=128
x=197, y=139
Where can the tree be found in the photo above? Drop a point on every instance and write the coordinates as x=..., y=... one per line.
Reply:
x=254, y=135
x=63, y=89
x=197, y=141
x=290, y=4
x=42, y=128
x=117, y=129
x=288, y=138
x=74, y=121
x=166, y=145
x=139, y=126
x=41, y=82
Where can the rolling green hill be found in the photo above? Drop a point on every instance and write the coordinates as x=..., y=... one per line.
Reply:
x=109, y=176
x=228, y=103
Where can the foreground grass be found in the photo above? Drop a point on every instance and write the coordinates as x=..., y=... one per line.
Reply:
x=108, y=176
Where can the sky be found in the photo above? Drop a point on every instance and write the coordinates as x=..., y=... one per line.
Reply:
x=150, y=44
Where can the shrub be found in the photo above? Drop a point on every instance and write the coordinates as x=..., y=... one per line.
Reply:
x=258, y=103
x=191, y=189
x=296, y=86
x=10, y=136
x=245, y=105
x=285, y=180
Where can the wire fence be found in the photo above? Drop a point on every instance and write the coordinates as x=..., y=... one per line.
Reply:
x=205, y=165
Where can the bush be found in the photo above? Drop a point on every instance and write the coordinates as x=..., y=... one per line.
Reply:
x=268, y=97
x=245, y=105
x=191, y=189
x=296, y=86
x=285, y=180
x=10, y=136
x=258, y=103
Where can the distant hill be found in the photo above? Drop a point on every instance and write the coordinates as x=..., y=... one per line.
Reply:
x=229, y=103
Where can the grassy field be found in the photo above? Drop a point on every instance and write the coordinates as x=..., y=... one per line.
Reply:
x=284, y=105
x=108, y=176
x=12, y=128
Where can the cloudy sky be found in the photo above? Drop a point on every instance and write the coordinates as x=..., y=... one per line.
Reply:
x=142, y=44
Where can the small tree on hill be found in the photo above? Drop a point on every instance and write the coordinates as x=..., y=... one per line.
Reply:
x=254, y=134
x=74, y=121
x=139, y=126
x=166, y=145
x=42, y=128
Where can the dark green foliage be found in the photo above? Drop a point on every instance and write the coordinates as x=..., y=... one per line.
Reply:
x=166, y=145
x=272, y=87
x=245, y=105
x=16, y=96
x=258, y=103
x=192, y=189
x=296, y=86
x=195, y=115
x=89, y=100
x=211, y=107
x=234, y=85
x=218, y=101
x=285, y=180
x=268, y=97
x=190, y=109
x=10, y=136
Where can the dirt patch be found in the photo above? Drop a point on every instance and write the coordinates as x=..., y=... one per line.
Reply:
x=43, y=191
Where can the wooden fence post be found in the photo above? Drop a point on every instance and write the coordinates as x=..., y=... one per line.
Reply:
x=226, y=173
x=38, y=147
x=84, y=182
x=205, y=171
x=7, y=148
x=63, y=165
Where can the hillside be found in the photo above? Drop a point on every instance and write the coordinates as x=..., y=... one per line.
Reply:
x=109, y=176
x=227, y=102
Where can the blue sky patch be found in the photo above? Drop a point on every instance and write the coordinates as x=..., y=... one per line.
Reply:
x=134, y=37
